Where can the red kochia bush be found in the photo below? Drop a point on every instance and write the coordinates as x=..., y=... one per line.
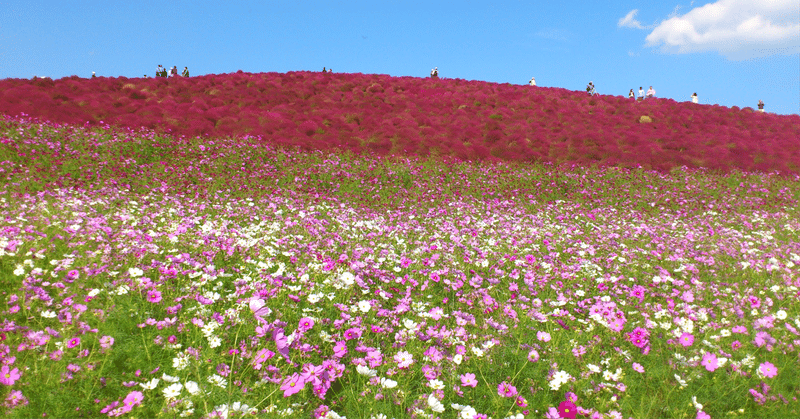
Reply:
x=385, y=115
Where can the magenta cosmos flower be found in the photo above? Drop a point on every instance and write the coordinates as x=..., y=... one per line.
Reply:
x=73, y=342
x=506, y=390
x=154, y=296
x=8, y=376
x=567, y=409
x=768, y=370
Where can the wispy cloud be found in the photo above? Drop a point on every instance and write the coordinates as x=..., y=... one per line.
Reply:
x=736, y=29
x=629, y=21
x=554, y=34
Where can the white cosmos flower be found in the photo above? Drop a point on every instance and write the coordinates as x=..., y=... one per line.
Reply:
x=173, y=391
x=150, y=384
x=435, y=404
x=477, y=351
x=364, y=306
x=388, y=383
x=436, y=384
x=409, y=324
x=48, y=314
x=457, y=359
x=214, y=342
x=192, y=388
x=169, y=378
x=134, y=272
x=780, y=315
x=364, y=370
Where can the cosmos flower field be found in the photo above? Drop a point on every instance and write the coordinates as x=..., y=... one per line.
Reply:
x=151, y=276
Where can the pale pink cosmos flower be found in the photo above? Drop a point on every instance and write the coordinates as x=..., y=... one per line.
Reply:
x=637, y=367
x=106, y=342
x=543, y=336
x=404, y=359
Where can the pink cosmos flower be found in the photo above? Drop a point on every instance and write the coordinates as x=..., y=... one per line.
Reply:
x=506, y=390
x=686, y=339
x=73, y=342
x=352, y=333
x=533, y=355
x=404, y=359
x=73, y=275
x=710, y=361
x=132, y=399
x=702, y=415
x=468, y=380
x=543, y=336
x=567, y=409
x=9, y=376
x=292, y=384
x=637, y=367
x=768, y=370
x=106, y=342
x=306, y=324
x=154, y=296
x=340, y=349
x=739, y=329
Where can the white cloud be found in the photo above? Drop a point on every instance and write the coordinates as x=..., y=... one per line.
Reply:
x=736, y=29
x=629, y=21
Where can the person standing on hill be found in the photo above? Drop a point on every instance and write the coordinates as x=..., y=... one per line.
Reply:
x=533, y=81
x=760, y=105
x=185, y=71
x=174, y=71
x=435, y=72
x=694, y=97
x=631, y=95
x=651, y=93
x=590, y=89
x=93, y=76
x=641, y=93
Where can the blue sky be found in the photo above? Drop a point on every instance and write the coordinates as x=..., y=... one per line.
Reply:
x=731, y=52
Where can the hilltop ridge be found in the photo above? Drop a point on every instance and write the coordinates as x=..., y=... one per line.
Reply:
x=385, y=115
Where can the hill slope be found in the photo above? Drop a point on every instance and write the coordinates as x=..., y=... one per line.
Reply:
x=468, y=120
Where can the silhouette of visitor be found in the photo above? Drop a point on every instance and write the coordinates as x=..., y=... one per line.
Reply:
x=641, y=93
x=651, y=93
x=533, y=81
x=435, y=72
x=760, y=105
x=694, y=97
x=185, y=71
x=631, y=94
x=93, y=76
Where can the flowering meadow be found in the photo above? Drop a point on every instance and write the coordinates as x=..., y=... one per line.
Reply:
x=146, y=275
x=382, y=115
